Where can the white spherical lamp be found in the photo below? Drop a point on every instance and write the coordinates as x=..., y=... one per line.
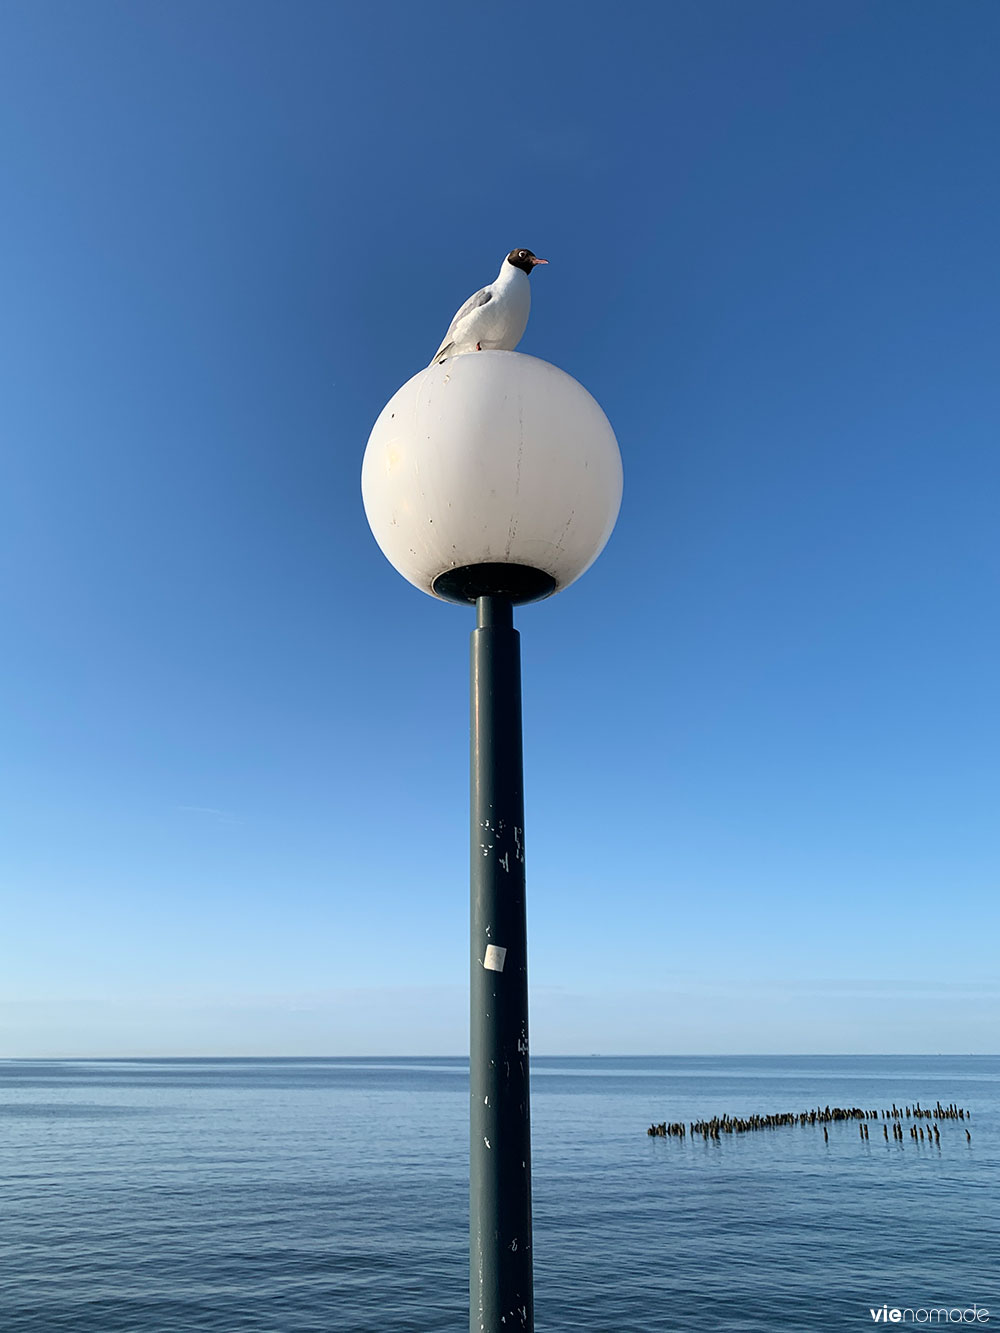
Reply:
x=493, y=473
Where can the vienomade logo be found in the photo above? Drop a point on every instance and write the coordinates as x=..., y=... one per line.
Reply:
x=933, y=1314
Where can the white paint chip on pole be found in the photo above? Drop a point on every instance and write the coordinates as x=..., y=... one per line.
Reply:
x=495, y=955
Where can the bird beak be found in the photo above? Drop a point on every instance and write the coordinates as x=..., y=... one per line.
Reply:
x=535, y=260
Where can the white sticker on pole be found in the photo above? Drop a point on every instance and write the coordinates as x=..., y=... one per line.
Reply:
x=495, y=955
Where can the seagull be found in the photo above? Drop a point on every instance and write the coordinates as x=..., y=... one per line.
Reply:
x=496, y=316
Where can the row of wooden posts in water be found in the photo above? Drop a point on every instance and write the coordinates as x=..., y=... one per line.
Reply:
x=825, y=1115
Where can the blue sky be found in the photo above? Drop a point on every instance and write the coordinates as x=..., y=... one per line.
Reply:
x=761, y=733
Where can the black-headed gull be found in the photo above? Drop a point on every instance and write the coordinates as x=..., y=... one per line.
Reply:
x=494, y=319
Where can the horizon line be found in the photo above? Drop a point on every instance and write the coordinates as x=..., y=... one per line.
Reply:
x=542, y=1055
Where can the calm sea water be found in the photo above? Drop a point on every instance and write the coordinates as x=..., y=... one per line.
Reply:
x=310, y=1196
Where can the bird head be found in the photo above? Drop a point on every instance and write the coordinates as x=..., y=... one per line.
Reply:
x=524, y=260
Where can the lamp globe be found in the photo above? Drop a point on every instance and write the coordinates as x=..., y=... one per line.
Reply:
x=494, y=473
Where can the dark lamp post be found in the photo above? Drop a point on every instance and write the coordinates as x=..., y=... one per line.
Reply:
x=491, y=480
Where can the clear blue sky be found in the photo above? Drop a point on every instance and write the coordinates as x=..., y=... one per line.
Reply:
x=762, y=732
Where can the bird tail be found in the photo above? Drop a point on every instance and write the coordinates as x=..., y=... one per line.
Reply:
x=442, y=353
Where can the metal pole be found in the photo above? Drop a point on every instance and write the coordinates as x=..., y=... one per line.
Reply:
x=500, y=1279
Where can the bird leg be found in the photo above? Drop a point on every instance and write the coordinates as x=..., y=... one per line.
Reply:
x=479, y=347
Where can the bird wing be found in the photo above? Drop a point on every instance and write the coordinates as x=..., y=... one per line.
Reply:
x=476, y=300
x=473, y=303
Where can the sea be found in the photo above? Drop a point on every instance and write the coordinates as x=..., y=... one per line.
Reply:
x=331, y=1196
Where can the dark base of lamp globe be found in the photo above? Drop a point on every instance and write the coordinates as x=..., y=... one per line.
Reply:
x=518, y=583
